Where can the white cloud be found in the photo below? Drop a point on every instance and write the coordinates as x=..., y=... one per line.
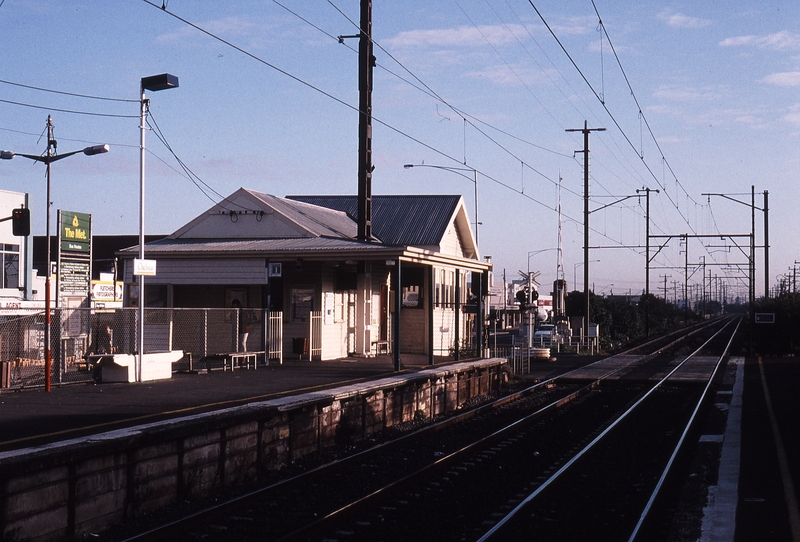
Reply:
x=507, y=75
x=779, y=41
x=464, y=36
x=783, y=79
x=228, y=28
x=679, y=20
x=794, y=114
x=685, y=94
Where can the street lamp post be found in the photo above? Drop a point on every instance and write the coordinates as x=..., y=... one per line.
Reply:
x=152, y=83
x=480, y=306
x=48, y=159
x=456, y=170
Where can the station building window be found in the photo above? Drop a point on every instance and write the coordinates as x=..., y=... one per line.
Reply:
x=10, y=255
x=302, y=303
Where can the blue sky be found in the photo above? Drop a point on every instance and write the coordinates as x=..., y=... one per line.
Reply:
x=706, y=101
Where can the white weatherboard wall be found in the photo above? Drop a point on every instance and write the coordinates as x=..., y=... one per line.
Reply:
x=211, y=271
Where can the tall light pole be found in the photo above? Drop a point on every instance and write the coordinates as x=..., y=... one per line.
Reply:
x=457, y=171
x=152, y=83
x=48, y=159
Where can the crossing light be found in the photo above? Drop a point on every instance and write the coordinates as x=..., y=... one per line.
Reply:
x=21, y=222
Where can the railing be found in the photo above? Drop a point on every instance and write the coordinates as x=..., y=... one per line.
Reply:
x=75, y=333
x=315, y=334
x=521, y=357
x=275, y=336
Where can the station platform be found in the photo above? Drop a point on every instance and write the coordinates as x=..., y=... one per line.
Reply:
x=753, y=497
x=34, y=417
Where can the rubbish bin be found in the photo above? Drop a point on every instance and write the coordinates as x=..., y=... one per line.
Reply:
x=5, y=374
x=300, y=346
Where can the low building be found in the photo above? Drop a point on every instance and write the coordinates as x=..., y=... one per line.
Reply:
x=297, y=263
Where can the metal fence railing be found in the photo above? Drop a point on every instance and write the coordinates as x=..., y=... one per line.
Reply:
x=520, y=356
x=76, y=333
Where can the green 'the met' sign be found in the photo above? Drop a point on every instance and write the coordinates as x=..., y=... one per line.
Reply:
x=76, y=231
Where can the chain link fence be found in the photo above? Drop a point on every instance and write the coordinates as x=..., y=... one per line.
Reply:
x=204, y=335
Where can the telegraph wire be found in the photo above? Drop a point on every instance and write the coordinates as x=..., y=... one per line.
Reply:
x=67, y=93
x=636, y=101
x=465, y=116
x=355, y=108
x=70, y=111
x=194, y=178
x=613, y=118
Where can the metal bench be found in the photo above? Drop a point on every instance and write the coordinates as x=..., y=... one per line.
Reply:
x=381, y=347
x=240, y=360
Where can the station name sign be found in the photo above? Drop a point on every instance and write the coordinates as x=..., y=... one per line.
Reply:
x=144, y=267
x=76, y=231
x=765, y=317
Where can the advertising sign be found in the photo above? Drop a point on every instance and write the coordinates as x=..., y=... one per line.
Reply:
x=106, y=291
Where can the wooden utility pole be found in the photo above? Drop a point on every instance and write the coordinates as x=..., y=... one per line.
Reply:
x=366, y=61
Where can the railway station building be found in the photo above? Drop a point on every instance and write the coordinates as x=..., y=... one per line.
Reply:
x=312, y=290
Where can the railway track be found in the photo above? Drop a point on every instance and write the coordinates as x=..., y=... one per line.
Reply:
x=512, y=467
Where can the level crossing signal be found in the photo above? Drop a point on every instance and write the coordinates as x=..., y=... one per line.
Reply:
x=21, y=222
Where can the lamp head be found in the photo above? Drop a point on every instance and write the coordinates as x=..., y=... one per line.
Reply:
x=6, y=155
x=408, y=166
x=95, y=149
x=159, y=82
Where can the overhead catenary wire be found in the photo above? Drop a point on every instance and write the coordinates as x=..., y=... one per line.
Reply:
x=375, y=119
x=610, y=114
x=70, y=111
x=64, y=93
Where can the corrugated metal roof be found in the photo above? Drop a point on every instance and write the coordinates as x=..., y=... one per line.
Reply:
x=320, y=220
x=306, y=245
x=398, y=220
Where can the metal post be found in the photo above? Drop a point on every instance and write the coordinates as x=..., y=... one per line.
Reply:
x=586, y=226
x=753, y=246
x=475, y=180
x=398, y=303
x=48, y=361
x=586, y=130
x=152, y=83
x=457, y=304
x=142, y=123
x=766, y=243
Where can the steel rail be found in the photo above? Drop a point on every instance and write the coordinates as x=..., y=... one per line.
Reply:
x=648, y=507
x=453, y=456
x=219, y=509
x=594, y=442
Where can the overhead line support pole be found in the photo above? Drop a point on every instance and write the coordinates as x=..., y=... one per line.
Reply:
x=586, y=130
x=365, y=63
x=647, y=260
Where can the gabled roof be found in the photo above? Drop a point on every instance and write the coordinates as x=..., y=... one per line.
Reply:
x=398, y=220
x=250, y=214
x=252, y=222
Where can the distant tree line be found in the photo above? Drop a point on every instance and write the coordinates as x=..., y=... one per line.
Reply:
x=626, y=321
